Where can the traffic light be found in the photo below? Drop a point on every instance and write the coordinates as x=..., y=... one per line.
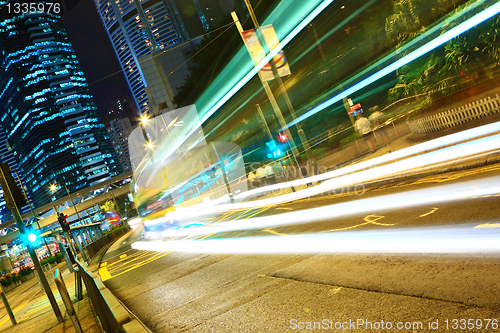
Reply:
x=282, y=137
x=30, y=235
x=275, y=151
x=62, y=221
x=8, y=181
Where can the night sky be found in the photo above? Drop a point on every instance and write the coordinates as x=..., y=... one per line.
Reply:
x=95, y=53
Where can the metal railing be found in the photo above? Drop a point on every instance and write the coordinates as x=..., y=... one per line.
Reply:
x=453, y=117
x=63, y=292
x=94, y=247
x=112, y=315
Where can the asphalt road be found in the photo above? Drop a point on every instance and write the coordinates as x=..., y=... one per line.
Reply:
x=227, y=292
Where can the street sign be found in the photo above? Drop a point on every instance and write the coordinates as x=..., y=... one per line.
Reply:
x=355, y=107
x=257, y=52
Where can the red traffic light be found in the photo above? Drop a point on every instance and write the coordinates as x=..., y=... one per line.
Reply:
x=282, y=137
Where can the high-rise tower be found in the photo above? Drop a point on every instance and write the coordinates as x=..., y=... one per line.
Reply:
x=137, y=28
x=46, y=109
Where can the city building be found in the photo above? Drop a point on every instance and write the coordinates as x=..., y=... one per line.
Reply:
x=118, y=131
x=48, y=114
x=136, y=29
x=7, y=156
x=120, y=108
x=165, y=72
x=139, y=28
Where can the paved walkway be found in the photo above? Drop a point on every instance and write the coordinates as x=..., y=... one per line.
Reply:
x=34, y=313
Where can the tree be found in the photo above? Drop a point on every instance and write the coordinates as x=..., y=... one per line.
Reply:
x=475, y=49
x=438, y=72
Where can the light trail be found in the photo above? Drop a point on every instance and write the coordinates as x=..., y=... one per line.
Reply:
x=426, y=48
x=468, y=24
x=221, y=203
x=463, y=239
x=437, y=194
x=347, y=177
x=406, y=152
x=207, y=114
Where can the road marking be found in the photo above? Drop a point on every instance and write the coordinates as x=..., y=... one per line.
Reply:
x=369, y=219
x=333, y=291
x=429, y=213
x=138, y=264
x=488, y=225
x=274, y=232
x=103, y=272
x=134, y=256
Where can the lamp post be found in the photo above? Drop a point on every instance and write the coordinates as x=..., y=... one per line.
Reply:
x=272, y=100
x=53, y=188
x=32, y=212
x=10, y=200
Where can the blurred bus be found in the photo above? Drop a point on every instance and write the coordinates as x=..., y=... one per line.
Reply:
x=111, y=220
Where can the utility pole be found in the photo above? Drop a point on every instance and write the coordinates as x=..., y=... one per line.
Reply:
x=68, y=233
x=7, y=307
x=300, y=131
x=9, y=187
x=271, y=138
x=221, y=170
x=271, y=98
x=32, y=212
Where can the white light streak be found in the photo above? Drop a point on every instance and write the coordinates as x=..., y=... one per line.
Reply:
x=434, y=195
x=450, y=240
x=442, y=39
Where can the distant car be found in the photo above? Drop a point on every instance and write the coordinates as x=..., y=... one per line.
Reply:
x=111, y=220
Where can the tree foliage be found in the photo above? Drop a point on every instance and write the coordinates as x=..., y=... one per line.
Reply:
x=446, y=68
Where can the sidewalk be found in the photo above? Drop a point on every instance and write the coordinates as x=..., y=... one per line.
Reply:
x=34, y=314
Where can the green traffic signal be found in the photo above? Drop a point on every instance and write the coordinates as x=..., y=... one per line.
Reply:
x=275, y=151
x=32, y=237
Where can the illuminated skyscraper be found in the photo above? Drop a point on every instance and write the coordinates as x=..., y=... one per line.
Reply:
x=46, y=109
x=137, y=28
x=118, y=131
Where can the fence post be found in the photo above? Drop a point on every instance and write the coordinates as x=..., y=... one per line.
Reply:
x=7, y=307
x=63, y=292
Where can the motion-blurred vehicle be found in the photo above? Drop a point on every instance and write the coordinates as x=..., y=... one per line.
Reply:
x=111, y=220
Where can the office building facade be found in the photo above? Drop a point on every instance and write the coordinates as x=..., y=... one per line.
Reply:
x=47, y=111
x=138, y=28
x=120, y=108
x=118, y=131
x=7, y=156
